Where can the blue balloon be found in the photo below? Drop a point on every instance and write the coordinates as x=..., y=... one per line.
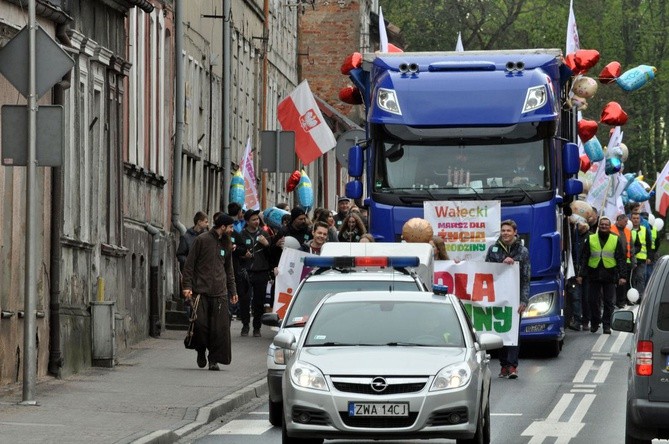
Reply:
x=305, y=193
x=637, y=193
x=613, y=165
x=593, y=149
x=237, y=192
x=272, y=217
x=635, y=78
x=625, y=197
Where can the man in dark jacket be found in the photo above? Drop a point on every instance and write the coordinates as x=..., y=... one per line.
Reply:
x=298, y=227
x=200, y=225
x=508, y=250
x=208, y=273
x=252, y=247
x=603, y=264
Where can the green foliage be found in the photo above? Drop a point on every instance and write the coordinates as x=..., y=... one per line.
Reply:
x=632, y=32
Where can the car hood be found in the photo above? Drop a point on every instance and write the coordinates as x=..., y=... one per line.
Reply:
x=362, y=360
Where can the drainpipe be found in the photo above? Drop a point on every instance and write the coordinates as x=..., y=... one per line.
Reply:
x=154, y=268
x=55, y=352
x=225, y=111
x=179, y=111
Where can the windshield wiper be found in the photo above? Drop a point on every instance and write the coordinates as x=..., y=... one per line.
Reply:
x=407, y=344
x=296, y=324
x=342, y=344
x=518, y=187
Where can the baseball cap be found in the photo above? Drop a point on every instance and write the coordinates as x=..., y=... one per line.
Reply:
x=250, y=213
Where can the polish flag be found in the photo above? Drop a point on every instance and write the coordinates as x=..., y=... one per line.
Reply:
x=662, y=191
x=299, y=113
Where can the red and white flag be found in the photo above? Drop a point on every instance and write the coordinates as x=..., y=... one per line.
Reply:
x=662, y=191
x=573, y=44
x=383, y=35
x=299, y=113
x=249, y=174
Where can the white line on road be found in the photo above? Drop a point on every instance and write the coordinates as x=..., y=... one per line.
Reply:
x=600, y=343
x=31, y=424
x=620, y=340
x=244, y=427
x=585, y=385
x=583, y=371
x=582, y=390
x=603, y=372
x=582, y=408
x=560, y=407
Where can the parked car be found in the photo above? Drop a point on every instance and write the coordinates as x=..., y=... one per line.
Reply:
x=336, y=274
x=647, y=414
x=387, y=365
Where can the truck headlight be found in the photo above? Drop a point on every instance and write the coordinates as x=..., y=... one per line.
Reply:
x=535, y=99
x=307, y=376
x=451, y=377
x=387, y=101
x=539, y=305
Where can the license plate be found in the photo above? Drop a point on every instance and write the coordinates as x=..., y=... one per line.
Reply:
x=378, y=409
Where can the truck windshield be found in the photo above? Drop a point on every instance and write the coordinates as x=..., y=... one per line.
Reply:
x=463, y=166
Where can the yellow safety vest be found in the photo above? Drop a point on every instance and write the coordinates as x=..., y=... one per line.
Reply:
x=606, y=254
x=655, y=240
x=643, y=253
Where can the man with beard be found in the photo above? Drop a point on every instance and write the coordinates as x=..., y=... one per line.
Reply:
x=208, y=272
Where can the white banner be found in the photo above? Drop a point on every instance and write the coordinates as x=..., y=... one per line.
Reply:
x=248, y=172
x=467, y=227
x=489, y=291
x=291, y=272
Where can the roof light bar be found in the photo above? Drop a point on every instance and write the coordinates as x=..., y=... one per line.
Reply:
x=361, y=261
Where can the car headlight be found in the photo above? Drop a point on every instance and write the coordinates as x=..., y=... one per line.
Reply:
x=535, y=99
x=281, y=355
x=539, y=305
x=387, y=101
x=451, y=377
x=307, y=376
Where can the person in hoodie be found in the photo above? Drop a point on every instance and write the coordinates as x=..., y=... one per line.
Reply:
x=508, y=250
x=200, y=225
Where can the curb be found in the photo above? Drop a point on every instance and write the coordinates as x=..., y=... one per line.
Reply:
x=207, y=414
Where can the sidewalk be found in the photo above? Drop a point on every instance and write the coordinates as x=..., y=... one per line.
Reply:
x=156, y=394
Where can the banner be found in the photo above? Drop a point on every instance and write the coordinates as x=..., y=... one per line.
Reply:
x=467, y=227
x=291, y=272
x=249, y=174
x=662, y=191
x=599, y=189
x=489, y=291
x=573, y=43
x=299, y=113
x=383, y=35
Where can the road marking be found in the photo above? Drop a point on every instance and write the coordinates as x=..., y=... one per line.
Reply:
x=617, y=345
x=600, y=343
x=585, y=385
x=583, y=371
x=259, y=413
x=603, y=372
x=582, y=390
x=582, y=409
x=506, y=414
x=560, y=407
x=244, y=427
x=31, y=424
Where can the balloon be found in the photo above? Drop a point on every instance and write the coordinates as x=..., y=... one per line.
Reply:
x=659, y=224
x=570, y=61
x=292, y=181
x=237, y=192
x=610, y=73
x=585, y=163
x=350, y=95
x=587, y=129
x=352, y=61
x=630, y=178
x=582, y=89
x=613, y=114
x=636, y=192
x=616, y=152
x=633, y=295
x=417, y=230
x=644, y=184
x=625, y=150
x=625, y=199
x=612, y=166
x=291, y=242
x=651, y=219
x=272, y=217
x=583, y=209
x=305, y=193
x=585, y=59
x=587, y=184
x=635, y=78
x=594, y=150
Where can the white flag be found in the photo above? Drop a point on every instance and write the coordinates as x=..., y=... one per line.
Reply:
x=458, y=45
x=383, y=36
x=614, y=201
x=600, y=187
x=249, y=174
x=573, y=43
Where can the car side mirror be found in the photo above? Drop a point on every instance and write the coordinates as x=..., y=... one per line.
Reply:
x=623, y=320
x=489, y=341
x=285, y=340
x=270, y=319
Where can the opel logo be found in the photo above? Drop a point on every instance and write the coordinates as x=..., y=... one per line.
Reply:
x=379, y=384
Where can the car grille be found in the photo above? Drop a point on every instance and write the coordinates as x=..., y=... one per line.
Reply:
x=378, y=422
x=366, y=389
x=315, y=417
x=458, y=415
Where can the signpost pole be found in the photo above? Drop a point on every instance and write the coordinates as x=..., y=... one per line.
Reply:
x=30, y=327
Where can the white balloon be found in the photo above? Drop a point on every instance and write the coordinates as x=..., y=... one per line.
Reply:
x=651, y=219
x=633, y=295
x=625, y=151
x=659, y=224
x=291, y=242
x=629, y=224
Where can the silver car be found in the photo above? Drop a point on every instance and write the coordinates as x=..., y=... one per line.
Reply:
x=387, y=365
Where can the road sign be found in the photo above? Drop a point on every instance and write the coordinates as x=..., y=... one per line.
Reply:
x=15, y=135
x=52, y=62
x=269, y=151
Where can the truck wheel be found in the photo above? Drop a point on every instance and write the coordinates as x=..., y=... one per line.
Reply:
x=275, y=413
x=554, y=348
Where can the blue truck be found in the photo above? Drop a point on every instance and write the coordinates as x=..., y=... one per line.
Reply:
x=486, y=125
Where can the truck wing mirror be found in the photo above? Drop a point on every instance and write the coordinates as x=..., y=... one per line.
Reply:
x=573, y=187
x=355, y=161
x=571, y=160
x=354, y=189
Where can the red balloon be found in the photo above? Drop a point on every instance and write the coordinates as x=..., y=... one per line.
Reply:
x=293, y=180
x=350, y=95
x=585, y=163
x=570, y=62
x=586, y=59
x=351, y=62
x=610, y=73
x=587, y=129
x=613, y=114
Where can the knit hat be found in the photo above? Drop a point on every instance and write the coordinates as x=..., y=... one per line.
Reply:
x=296, y=212
x=223, y=219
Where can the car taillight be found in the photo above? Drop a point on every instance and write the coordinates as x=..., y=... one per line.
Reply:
x=644, y=358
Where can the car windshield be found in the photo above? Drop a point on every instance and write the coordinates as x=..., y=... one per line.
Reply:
x=312, y=292
x=387, y=323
